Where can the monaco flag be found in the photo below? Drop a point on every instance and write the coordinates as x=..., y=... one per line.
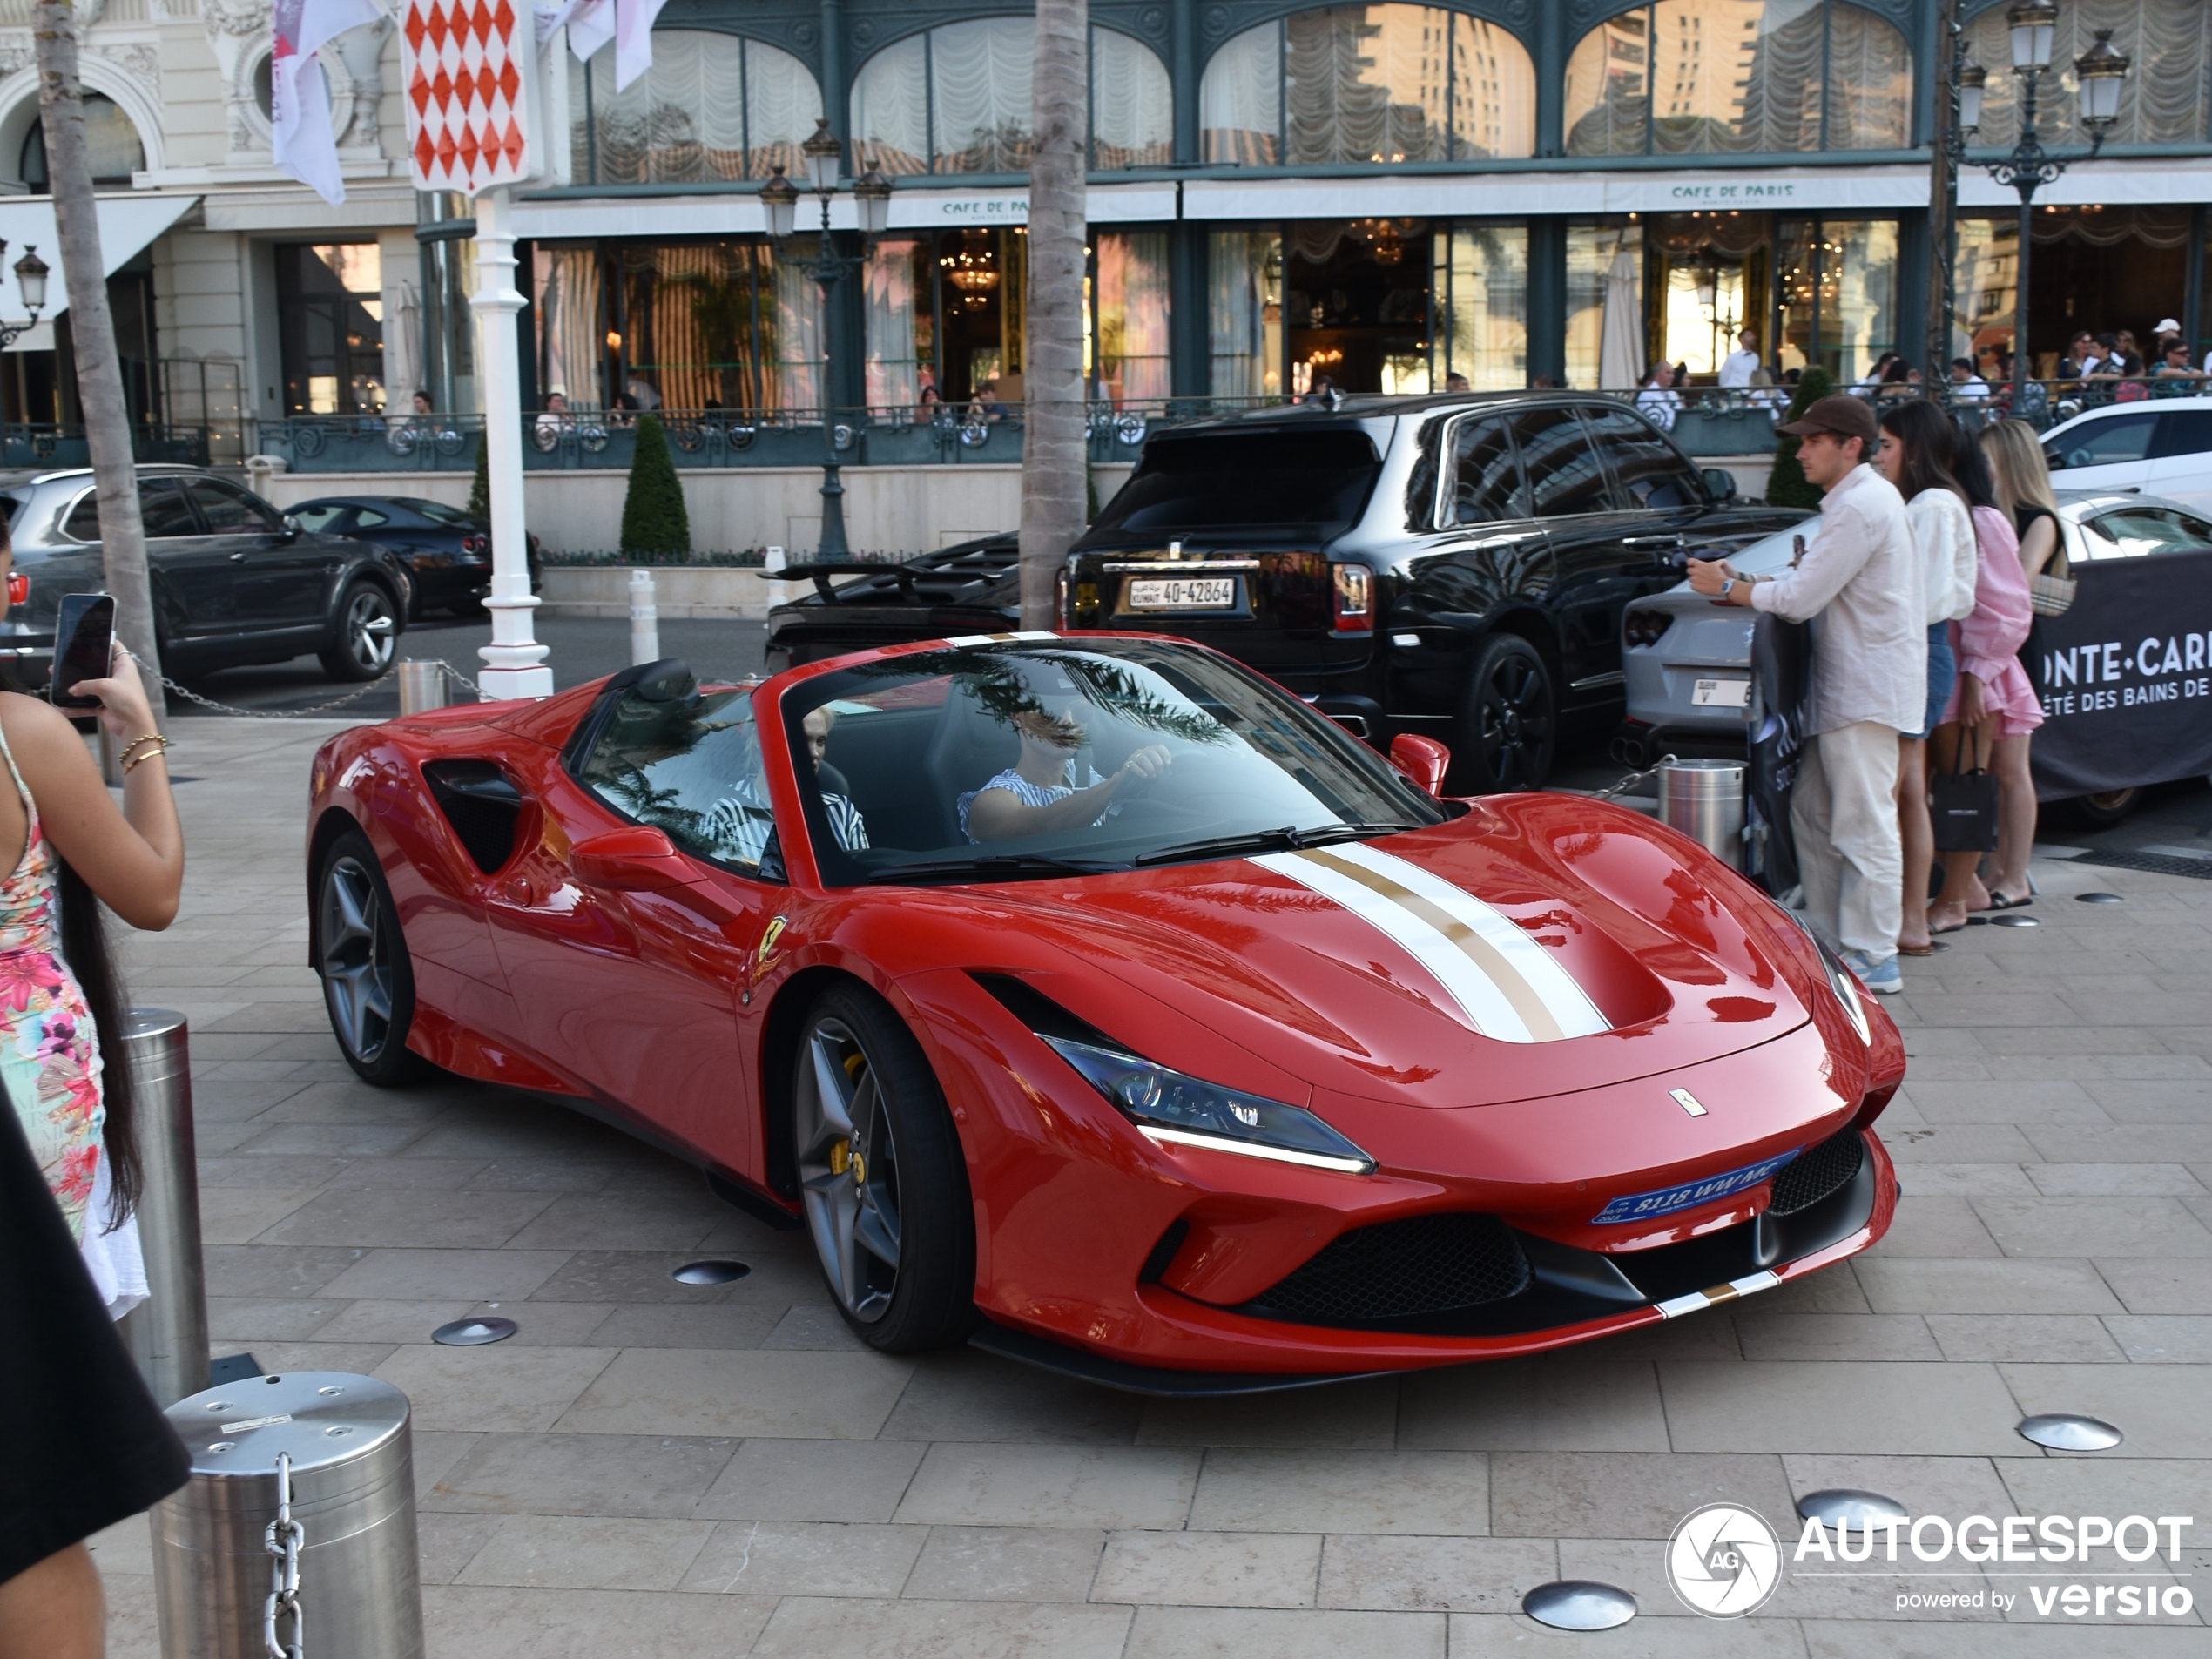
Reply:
x=592, y=24
x=299, y=98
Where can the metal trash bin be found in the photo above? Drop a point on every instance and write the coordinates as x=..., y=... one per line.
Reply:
x=352, y=1469
x=1704, y=801
x=423, y=686
x=167, y=1332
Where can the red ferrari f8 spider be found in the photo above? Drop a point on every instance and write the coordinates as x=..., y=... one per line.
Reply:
x=1102, y=1004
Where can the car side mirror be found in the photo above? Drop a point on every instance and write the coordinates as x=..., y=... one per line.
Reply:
x=637, y=859
x=291, y=531
x=1423, y=761
x=1720, y=484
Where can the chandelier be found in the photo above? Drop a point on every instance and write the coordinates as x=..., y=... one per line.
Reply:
x=973, y=268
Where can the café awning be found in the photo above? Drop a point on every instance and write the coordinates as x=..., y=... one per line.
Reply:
x=128, y=224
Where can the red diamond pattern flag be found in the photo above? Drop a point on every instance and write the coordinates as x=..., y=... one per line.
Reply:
x=468, y=82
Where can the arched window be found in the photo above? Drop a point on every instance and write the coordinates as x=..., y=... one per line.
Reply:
x=956, y=100
x=1687, y=77
x=712, y=107
x=1353, y=84
x=111, y=143
x=2166, y=99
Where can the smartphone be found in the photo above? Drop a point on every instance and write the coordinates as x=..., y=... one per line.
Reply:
x=83, y=645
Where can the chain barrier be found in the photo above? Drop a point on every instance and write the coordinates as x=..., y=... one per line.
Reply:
x=283, y=1540
x=311, y=710
x=1634, y=779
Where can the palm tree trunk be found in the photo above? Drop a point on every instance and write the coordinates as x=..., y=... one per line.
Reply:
x=91, y=327
x=1053, y=473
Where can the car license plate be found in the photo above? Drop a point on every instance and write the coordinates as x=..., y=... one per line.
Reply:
x=1182, y=593
x=1638, y=1206
x=1721, y=694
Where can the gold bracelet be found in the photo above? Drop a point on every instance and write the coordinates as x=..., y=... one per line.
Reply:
x=130, y=760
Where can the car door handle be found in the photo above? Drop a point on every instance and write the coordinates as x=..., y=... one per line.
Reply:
x=1673, y=539
x=238, y=558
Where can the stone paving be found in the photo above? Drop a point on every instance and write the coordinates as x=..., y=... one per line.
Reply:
x=651, y=1468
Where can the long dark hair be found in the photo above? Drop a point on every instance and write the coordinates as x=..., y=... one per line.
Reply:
x=1926, y=433
x=1970, y=467
x=84, y=949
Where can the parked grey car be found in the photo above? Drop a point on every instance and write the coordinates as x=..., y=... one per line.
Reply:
x=1688, y=659
x=234, y=580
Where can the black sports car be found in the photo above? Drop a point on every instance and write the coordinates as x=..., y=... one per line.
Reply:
x=446, y=551
x=969, y=588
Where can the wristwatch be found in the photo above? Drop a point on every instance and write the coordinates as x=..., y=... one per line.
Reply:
x=1727, y=589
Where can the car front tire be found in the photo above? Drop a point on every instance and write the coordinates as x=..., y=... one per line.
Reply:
x=882, y=1176
x=370, y=626
x=362, y=958
x=1508, y=721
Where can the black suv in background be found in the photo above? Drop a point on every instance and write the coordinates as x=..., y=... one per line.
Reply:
x=234, y=580
x=1452, y=566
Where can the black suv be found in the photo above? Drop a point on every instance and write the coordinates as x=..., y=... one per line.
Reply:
x=234, y=580
x=1452, y=566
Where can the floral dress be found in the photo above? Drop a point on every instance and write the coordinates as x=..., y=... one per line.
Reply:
x=48, y=1057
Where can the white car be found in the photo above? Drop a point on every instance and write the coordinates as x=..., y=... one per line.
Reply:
x=2160, y=446
x=1687, y=659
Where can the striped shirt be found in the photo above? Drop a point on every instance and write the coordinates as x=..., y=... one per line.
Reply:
x=1031, y=794
x=739, y=825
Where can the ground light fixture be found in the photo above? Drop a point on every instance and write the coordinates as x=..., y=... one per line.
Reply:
x=2070, y=1432
x=709, y=1272
x=1846, y=1507
x=1578, y=1604
x=2098, y=898
x=472, y=1333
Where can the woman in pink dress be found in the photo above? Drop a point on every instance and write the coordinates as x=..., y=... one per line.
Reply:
x=1992, y=707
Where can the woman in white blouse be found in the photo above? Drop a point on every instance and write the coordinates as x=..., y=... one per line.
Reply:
x=1915, y=456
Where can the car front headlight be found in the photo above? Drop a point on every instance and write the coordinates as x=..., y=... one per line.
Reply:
x=1839, y=978
x=1176, y=1109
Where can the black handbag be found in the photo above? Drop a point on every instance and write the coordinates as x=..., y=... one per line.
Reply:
x=1963, y=803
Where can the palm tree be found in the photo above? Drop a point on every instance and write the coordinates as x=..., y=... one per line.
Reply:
x=1054, y=472
x=91, y=327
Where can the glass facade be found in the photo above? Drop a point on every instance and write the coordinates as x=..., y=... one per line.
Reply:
x=330, y=310
x=1604, y=303
x=1373, y=84
x=713, y=107
x=1687, y=77
x=2166, y=99
x=1482, y=306
x=1245, y=313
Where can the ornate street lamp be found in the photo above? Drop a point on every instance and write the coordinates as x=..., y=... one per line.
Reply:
x=30, y=282
x=2033, y=28
x=825, y=157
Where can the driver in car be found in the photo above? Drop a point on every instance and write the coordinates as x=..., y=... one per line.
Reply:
x=1040, y=793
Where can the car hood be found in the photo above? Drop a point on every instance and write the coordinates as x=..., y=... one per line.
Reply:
x=1540, y=945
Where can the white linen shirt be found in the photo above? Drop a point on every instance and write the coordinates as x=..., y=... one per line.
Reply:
x=1861, y=578
x=1942, y=534
x=1736, y=368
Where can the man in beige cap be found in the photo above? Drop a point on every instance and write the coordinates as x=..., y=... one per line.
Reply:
x=1861, y=578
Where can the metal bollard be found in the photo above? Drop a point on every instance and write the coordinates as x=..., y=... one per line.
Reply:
x=645, y=618
x=343, y=1441
x=167, y=1332
x=1704, y=801
x=423, y=686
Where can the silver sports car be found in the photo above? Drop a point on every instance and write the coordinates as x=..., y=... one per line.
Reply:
x=1688, y=659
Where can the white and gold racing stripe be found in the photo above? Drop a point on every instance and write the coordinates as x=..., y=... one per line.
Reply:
x=1697, y=1301
x=1508, y=985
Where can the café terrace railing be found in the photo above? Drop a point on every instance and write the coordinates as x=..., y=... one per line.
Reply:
x=1706, y=421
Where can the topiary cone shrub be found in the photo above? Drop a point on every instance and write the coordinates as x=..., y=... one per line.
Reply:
x=653, y=517
x=480, y=488
x=1786, y=485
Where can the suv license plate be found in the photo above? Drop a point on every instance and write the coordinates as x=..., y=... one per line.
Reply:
x=1721, y=694
x=1184, y=593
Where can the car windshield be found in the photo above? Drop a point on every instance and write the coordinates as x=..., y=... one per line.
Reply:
x=1037, y=760
x=2133, y=532
x=1238, y=479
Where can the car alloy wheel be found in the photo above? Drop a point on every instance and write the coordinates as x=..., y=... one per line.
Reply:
x=848, y=1167
x=2103, y=810
x=1508, y=723
x=368, y=633
x=882, y=1176
x=368, y=982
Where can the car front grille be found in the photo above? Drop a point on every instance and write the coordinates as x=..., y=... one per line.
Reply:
x=1816, y=1172
x=1398, y=1270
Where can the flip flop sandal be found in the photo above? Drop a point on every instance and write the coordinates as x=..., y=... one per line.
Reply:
x=1999, y=902
x=1928, y=949
x=1955, y=928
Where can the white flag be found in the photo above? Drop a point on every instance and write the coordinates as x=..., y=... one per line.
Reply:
x=299, y=96
x=633, y=38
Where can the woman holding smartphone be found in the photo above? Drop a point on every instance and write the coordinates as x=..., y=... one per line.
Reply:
x=66, y=845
